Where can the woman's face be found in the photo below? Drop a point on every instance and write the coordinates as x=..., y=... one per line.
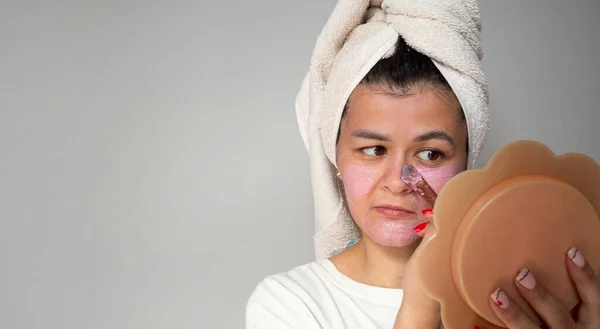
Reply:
x=379, y=135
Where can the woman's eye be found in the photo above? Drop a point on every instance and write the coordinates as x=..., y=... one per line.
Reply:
x=430, y=155
x=374, y=151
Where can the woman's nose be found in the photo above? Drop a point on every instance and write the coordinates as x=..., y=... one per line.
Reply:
x=392, y=179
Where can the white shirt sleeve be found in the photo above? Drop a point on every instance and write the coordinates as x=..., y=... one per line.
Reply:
x=274, y=306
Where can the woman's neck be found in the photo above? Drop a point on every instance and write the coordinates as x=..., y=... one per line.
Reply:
x=374, y=265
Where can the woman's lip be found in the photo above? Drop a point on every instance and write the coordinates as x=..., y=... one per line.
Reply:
x=393, y=212
x=389, y=206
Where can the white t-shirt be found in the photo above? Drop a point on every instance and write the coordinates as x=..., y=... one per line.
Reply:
x=317, y=295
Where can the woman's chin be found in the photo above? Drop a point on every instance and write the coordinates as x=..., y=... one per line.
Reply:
x=394, y=234
x=397, y=241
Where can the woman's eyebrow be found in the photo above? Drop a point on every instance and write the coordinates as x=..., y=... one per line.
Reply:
x=435, y=135
x=370, y=134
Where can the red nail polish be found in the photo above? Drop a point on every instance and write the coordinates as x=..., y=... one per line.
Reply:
x=427, y=211
x=420, y=227
x=477, y=327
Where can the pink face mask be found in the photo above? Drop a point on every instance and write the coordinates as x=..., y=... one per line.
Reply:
x=360, y=180
x=438, y=177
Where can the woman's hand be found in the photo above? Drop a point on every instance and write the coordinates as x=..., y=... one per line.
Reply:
x=418, y=309
x=551, y=312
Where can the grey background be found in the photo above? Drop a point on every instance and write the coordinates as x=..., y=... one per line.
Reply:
x=151, y=168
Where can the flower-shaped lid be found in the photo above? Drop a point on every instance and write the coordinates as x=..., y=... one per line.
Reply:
x=525, y=209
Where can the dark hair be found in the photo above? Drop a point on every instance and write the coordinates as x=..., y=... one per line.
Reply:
x=404, y=70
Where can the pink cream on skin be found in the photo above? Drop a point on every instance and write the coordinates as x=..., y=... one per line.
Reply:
x=438, y=177
x=391, y=232
x=358, y=181
x=397, y=232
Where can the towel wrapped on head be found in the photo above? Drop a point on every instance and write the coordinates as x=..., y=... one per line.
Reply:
x=357, y=35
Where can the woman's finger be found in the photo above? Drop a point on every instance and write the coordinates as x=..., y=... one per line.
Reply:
x=426, y=227
x=585, y=281
x=417, y=183
x=509, y=312
x=552, y=312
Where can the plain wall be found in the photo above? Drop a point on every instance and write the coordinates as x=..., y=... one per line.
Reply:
x=152, y=172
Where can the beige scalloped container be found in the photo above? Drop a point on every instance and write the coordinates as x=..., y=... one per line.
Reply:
x=525, y=209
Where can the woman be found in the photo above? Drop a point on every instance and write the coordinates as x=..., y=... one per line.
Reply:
x=402, y=112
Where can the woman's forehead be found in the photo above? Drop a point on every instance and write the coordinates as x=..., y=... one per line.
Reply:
x=421, y=106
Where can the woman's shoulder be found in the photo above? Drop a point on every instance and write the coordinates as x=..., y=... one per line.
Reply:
x=298, y=282
x=305, y=276
x=289, y=299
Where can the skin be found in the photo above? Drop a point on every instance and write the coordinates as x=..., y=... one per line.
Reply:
x=380, y=133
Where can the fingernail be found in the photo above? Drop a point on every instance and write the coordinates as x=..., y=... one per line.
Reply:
x=477, y=327
x=427, y=211
x=500, y=298
x=526, y=279
x=420, y=227
x=576, y=257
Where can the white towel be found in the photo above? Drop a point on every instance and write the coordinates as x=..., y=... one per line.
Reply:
x=357, y=35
